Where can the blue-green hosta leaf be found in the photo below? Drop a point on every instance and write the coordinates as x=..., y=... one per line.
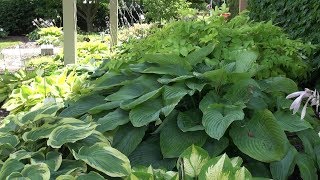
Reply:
x=291, y=123
x=110, y=80
x=306, y=166
x=145, y=113
x=195, y=84
x=127, y=138
x=317, y=152
x=90, y=176
x=222, y=168
x=149, y=153
x=9, y=138
x=69, y=134
x=192, y=160
x=174, y=70
x=105, y=159
x=261, y=137
x=17, y=176
x=309, y=139
x=36, y=171
x=104, y=107
x=167, y=59
x=37, y=114
x=172, y=95
x=37, y=133
x=219, y=117
x=258, y=169
x=215, y=147
x=52, y=159
x=22, y=154
x=83, y=105
x=198, y=55
x=112, y=120
x=283, y=169
x=69, y=167
x=10, y=166
x=190, y=120
x=130, y=104
x=209, y=99
x=173, y=141
x=279, y=84
x=170, y=79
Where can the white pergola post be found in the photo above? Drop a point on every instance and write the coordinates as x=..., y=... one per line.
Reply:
x=114, y=22
x=70, y=31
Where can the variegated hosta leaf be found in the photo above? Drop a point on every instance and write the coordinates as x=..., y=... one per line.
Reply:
x=69, y=134
x=7, y=138
x=6, y=150
x=22, y=154
x=69, y=167
x=219, y=117
x=221, y=168
x=105, y=159
x=90, y=176
x=37, y=114
x=261, y=137
x=191, y=161
x=10, y=166
x=36, y=171
x=53, y=159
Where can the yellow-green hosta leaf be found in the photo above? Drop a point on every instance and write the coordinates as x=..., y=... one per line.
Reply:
x=36, y=171
x=10, y=166
x=192, y=160
x=69, y=134
x=260, y=137
x=105, y=159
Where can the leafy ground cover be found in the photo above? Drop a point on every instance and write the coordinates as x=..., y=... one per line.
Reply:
x=174, y=105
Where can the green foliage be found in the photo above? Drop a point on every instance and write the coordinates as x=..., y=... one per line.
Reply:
x=300, y=19
x=49, y=35
x=239, y=38
x=164, y=9
x=3, y=33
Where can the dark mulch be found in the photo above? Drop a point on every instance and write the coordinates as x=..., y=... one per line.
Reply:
x=3, y=113
x=15, y=38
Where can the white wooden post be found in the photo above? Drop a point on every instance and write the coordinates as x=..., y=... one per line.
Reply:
x=70, y=31
x=114, y=21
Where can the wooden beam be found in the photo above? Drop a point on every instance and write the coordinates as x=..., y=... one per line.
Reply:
x=114, y=4
x=70, y=31
x=242, y=5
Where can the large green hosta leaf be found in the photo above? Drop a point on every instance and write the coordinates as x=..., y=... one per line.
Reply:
x=36, y=172
x=10, y=166
x=69, y=134
x=105, y=159
x=198, y=55
x=306, y=166
x=260, y=137
x=167, y=59
x=113, y=120
x=215, y=147
x=172, y=95
x=190, y=120
x=191, y=161
x=218, y=118
x=145, y=113
x=127, y=138
x=173, y=141
x=53, y=159
x=69, y=167
x=9, y=138
x=37, y=114
x=281, y=84
x=291, y=123
x=281, y=170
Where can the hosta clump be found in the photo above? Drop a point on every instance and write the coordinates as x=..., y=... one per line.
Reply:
x=156, y=109
x=276, y=53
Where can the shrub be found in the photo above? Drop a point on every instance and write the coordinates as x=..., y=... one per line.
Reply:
x=50, y=35
x=3, y=33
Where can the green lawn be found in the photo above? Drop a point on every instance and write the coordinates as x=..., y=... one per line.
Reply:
x=8, y=43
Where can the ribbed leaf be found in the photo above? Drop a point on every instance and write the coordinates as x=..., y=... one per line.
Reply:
x=113, y=120
x=209, y=99
x=105, y=159
x=219, y=117
x=245, y=60
x=281, y=170
x=110, y=80
x=291, y=123
x=104, y=107
x=9, y=138
x=174, y=70
x=173, y=141
x=306, y=166
x=198, y=55
x=215, y=147
x=82, y=106
x=172, y=95
x=190, y=120
x=32, y=116
x=127, y=92
x=192, y=160
x=69, y=134
x=281, y=84
x=167, y=59
x=127, y=138
x=170, y=79
x=36, y=171
x=309, y=139
x=10, y=166
x=261, y=137
x=217, y=77
x=37, y=133
x=129, y=104
x=145, y=113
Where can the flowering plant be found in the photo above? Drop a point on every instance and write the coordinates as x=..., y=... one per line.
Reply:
x=312, y=99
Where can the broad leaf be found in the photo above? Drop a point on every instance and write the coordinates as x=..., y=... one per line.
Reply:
x=218, y=118
x=261, y=137
x=104, y=107
x=198, y=55
x=112, y=120
x=90, y=176
x=291, y=123
x=280, y=84
x=36, y=171
x=215, y=147
x=127, y=138
x=284, y=168
x=9, y=166
x=190, y=120
x=105, y=159
x=52, y=159
x=306, y=166
x=7, y=138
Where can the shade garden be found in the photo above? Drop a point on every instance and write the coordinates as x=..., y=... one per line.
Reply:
x=203, y=98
